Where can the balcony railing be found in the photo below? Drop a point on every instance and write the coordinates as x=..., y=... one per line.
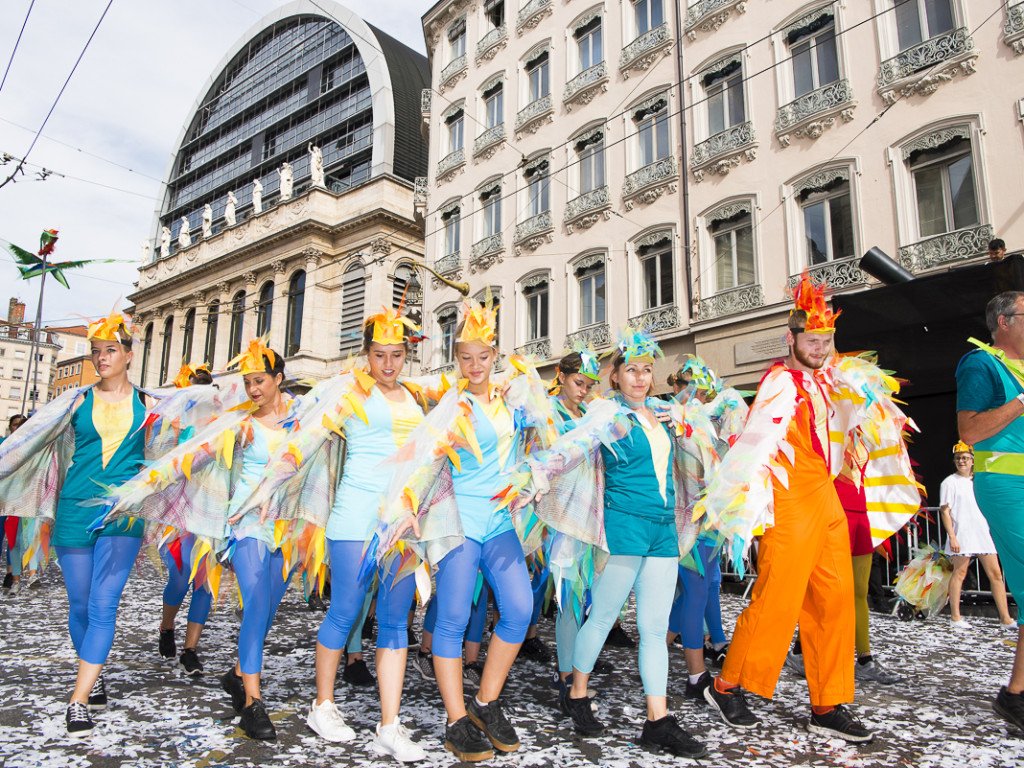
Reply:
x=450, y=162
x=731, y=302
x=425, y=98
x=597, y=336
x=491, y=42
x=450, y=262
x=587, y=205
x=657, y=319
x=1013, y=28
x=641, y=53
x=727, y=142
x=940, y=48
x=529, y=115
x=708, y=11
x=949, y=248
x=452, y=71
x=838, y=274
x=420, y=192
x=488, y=138
x=582, y=88
x=538, y=348
x=531, y=14
x=650, y=182
x=486, y=252
x=533, y=226
x=820, y=102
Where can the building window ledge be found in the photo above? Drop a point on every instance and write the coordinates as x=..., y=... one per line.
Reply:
x=534, y=232
x=723, y=151
x=941, y=58
x=450, y=166
x=491, y=43
x=486, y=252
x=809, y=115
x=585, y=210
x=731, y=302
x=538, y=348
x=596, y=336
x=643, y=52
x=531, y=117
x=455, y=71
x=657, y=319
x=837, y=275
x=1013, y=28
x=709, y=15
x=949, y=248
x=531, y=14
x=487, y=143
x=583, y=88
x=650, y=182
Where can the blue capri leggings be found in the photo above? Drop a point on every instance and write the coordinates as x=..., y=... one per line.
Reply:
x=653, y=581
x=348, y=598
x=261, y=584
x=698, y=601
x=94, y=578
x=477, y=617
x=500, y=559
x=178, y=583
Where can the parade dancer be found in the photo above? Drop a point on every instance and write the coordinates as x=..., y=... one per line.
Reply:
x=990, y=402
x=778, y=474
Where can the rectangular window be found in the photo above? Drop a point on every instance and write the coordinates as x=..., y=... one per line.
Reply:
x=734, y=252
x=656, y=267
x=653, y=134
x=588, y=43
x=491, y=201
x=537, y=73
x=828, y=225
x=649, y=15
x=920, y=20
x=452, y=231
x=18, y=374
x=539, y=193
x=457, y=38
x=815, y=59
x=455, y=131
x=592, y=295
x=591, y=162
x=944, y=186
x=494, y=10
x=447, y=325
x=724, y=91
x=536, y=312
x=15, y=393
x=494, y=103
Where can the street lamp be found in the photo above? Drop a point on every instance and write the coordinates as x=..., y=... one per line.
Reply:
x=462, y=288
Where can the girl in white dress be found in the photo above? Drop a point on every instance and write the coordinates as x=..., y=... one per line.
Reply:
x=968, y=536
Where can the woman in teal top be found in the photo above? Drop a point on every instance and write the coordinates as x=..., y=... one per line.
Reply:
x=109, y=449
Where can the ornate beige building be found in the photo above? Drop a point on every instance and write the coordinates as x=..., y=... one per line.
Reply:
x=288, y=205
x=812, y=131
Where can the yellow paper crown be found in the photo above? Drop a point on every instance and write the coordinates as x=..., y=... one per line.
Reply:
x=389, y=326
x=962, y=447
x=811, y=299
x=251, y=360
x=183, y=379
x=479, y=321
x=110, y=328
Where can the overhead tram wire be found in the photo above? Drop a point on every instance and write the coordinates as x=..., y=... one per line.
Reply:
x=16, y=43
x=46, y=172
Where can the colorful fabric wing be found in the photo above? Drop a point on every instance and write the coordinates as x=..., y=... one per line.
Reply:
x=924, y=582
x=178, y=410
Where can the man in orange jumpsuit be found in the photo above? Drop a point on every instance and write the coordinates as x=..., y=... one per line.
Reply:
x=804, y=566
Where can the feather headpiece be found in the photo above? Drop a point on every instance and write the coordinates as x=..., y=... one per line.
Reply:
x=389, y=327
x=811, y=299
x=479, y=321
x=701, y=376
x=251, y=360
x=634, y=344
x=114, y=327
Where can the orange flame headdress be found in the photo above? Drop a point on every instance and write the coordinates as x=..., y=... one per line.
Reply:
x=389, y=326
x=811, y=299
x=111, y=328
x=184, y=376
x=251, y=360
x=479, y=321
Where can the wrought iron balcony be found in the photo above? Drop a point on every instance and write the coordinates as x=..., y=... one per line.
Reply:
x=425, y=98
x=657, y=319
x=538, y=348
x=838, y=274
x=650, y=182
x=597, y=336
x=450, y=162
x=529, y=117
x=821, y=102
x=450, y=262
x=712, y=12
x=491, y=43
x=419, y=195
x=727, y=142
x=643, y=51
x=445, y=368
x=451, y=72
x=957, y=42
x=1013, y=28
x=584, y=87
x=530, y=15
x=533, y=226
x=486, y=252
x=488, y=138
x=588, y=202
x=731, y=302
x=960, y=245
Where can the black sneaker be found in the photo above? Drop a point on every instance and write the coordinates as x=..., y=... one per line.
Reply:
x=8, y=580
x=233, y=686
x=582, y=715
x=715, y=658
x=839, y=723
x=98, y=696
x=492, y=721
x=696, y=690
x=467, y=742
x=472, y=673
x=78, y=719
x=190, y=662
x=665, y=735
x=411, y=642
x=256, y=722
x=316, y=602
x=357, y=673
x=602, y=667
x=424, y=663
x=732, y=706
x=168, y=648
x=619, y=639
x=533, y=648
x=1010, y=706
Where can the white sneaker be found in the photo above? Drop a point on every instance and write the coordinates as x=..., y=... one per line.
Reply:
x=325, y=719
x=394, y=740
x=15, y=589
x=961, y=624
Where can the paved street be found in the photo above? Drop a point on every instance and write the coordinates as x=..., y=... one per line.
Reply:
x=940, y=717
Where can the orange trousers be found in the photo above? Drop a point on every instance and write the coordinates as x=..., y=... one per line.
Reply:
x=805, y=575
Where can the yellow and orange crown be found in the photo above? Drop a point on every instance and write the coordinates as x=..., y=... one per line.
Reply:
x=962, y=447
x=812, y=299
x=187, y=371
x=479, y=322
x=389, y=326
x=114, y=327
x=251, y=360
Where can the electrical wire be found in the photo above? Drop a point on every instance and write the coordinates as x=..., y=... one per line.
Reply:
x=16, y=43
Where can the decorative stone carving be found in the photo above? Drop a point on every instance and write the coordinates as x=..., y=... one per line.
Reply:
x=534, y=280
x=531, y=14
x=936, y=139
x=451, y=165
x=199, y=298
x=819, y=106
x=229, y=210
x=178, y=304
x=657, y=320
x=650, y=182
x=809, y=18
x=591, y=260
x=449, y=265
x=419, y=196
x=531, y=117
x=585, y=210
x=257, y=197
x=709, y=15
x=486, y=144
x=822, y=179
x=287, y=176
x=586, y=85
x=425, y=98
x=207, y=221
x=949, y=248
x=653, y=238
x=596, y=337
x=184, y=238
x=486, y=252
x=380, y=245
x=731, y=302
x=491, y=43
x=642, y=52
x=455, y=71
x=277, y=266
x=165, y=242
x=316, y=165
x=312, y=256
x=533, y=232
x=223, y=287
x=729, y=210
x=1013, y=28
x=249, y=278
x=839, y=274
x=723, y=151
x=899, y=74
x=539, y=348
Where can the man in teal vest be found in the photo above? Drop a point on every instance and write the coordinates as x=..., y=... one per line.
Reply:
x=990, y=406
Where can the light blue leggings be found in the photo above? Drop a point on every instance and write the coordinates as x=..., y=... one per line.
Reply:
x=501, y=561
x=348, y=597
x=653, y=580
x=262, y=585
x=94, y=578
x=178, y=583
x=566, y=630
x=698, y=601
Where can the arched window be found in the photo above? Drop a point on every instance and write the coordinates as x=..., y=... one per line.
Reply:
x=190, y=329
x=293, y=329
x=165, y=350
x=212, y=315
x=147, y=343
x=237, y=317
x=398, y=287
x=353, y=293
x=265, y=309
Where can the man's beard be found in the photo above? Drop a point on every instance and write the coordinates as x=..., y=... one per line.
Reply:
x=803, y=359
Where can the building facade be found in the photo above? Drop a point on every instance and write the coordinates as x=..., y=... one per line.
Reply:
x=73, y=373
x=24, y=385
x=699, y=162
x=288, y=207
